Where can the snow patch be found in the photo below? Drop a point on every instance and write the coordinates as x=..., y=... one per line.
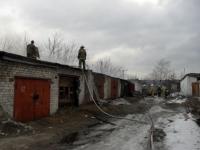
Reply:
x=177, y=101
x=120, y=101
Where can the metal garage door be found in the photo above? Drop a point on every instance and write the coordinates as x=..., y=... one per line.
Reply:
x=32, y=99
x=114, y=88
x=195, y=89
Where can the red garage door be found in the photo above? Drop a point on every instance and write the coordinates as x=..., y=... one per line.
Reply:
x=32, y=99
x=114, y=88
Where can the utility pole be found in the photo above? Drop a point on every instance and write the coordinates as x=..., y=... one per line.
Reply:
x=123, y=73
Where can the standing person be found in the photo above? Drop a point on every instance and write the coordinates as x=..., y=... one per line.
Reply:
x=82, y=57
x=32, y=51
x=159, y=90
x=76, y=92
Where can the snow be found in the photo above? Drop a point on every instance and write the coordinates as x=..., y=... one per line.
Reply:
x=177, y=101
x=183, y=134
x=157, y=109
x=120, y=101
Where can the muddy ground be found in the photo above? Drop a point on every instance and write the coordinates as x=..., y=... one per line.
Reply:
x=175, y=127
x=63, y=127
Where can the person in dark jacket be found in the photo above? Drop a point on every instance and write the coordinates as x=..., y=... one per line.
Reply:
x=32, y=51
x=82, y=57
x=159, y=90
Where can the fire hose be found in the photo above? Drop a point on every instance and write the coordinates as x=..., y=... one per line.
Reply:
x=150, y=143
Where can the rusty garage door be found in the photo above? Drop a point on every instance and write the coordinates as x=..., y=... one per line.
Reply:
x=195, y=89
x=99, y=83
x=114, y=88
x=32, y=99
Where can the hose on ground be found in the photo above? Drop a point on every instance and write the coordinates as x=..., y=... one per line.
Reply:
x=100, y=109
x=150, y=144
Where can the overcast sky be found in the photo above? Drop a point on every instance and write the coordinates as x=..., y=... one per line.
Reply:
x=135, y=34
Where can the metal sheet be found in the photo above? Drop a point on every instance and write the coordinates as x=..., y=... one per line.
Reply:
x=32, y=99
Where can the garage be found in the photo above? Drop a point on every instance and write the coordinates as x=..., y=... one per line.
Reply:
x=68, y=91
x=32, y=99
x=195, y=89
x=114, y=88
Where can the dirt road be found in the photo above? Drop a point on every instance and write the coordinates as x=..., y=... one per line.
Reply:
x=175, y=128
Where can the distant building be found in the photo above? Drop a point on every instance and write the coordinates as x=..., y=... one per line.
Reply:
x=190, y=84
x=138, y=85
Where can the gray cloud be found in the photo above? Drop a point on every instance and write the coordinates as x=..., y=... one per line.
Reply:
x=134, y=35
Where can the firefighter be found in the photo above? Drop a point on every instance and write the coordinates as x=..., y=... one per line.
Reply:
x=159, y=90
x=82, y=57
x=32, y=51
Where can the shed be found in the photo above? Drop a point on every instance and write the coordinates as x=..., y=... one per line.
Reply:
x=31, y=89
x=190, y=84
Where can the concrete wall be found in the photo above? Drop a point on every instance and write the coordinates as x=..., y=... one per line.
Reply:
x=138, y=86
x=8, y=72
x=107, y=88
x=186, y=85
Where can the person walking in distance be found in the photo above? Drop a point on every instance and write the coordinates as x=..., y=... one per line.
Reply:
x=82, y=57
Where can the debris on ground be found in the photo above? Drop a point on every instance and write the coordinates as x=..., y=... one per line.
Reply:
x=12, y=128
x=9, y=127
x=194, y=105
x=198, y=121
x=70, y=138
x=158, y=135
x=3, y=115
x=87, y=128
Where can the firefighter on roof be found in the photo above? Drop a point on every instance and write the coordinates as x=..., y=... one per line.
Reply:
x=32, y=51
x=82, y=57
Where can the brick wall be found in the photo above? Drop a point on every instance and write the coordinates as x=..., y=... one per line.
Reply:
x=77, y=73
x=8, y=71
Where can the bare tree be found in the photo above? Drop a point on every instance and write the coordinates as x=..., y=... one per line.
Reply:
x=60, y=51
x=55, y=49
x=163, y=71
x=13, y=43
x=106, y=67
x=133, y=77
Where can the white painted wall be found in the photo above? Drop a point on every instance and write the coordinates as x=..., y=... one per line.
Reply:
x=186, y=85
x=138, y=87
x=107, y=87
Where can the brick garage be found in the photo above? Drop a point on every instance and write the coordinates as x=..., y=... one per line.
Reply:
x=42, y=84
x=15, y=67
x=99, y=80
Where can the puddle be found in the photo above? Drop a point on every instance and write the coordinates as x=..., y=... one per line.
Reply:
x=70, y=138
x=198, y=121
x=182, y=134
x=158, y=135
